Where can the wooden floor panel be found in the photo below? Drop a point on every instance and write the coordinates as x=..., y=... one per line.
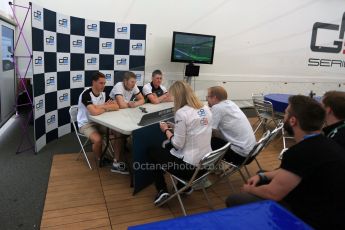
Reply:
x=80, y=198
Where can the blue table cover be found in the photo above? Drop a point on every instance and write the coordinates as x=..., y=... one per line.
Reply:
x=279, y=101
x=260, y=215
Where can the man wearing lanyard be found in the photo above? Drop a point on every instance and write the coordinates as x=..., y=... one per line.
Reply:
x=310, y=179
x=334, y=104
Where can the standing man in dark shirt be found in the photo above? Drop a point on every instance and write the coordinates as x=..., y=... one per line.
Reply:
x=334, y=104
x=310, y=178
x=154, y=91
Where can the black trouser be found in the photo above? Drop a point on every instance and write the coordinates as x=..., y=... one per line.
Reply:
x=162, y=158
x=230, y=155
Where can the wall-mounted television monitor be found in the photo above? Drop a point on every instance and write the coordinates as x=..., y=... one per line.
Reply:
x=192, y=48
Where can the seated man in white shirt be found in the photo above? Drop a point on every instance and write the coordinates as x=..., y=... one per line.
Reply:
x=229, y=124
x=95, y=102
x=154, y=91
x=124, y=91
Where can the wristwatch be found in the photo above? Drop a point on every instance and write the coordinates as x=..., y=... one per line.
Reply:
x=263, y=178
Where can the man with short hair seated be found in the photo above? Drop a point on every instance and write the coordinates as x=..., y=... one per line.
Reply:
x=310, y=178
x=122, y=93
x=154, y=91
x=229, y=124
x=334, y=104
x=93, y=101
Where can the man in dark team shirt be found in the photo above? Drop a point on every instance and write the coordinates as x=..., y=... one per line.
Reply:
x=154, y=91
x=94, y=101
x=310, y=178
x=334, y=104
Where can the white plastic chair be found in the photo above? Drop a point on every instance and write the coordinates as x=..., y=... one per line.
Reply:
x=209, y=163
x=73, y=112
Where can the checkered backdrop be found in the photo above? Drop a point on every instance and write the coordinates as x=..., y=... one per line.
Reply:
x=66, y=52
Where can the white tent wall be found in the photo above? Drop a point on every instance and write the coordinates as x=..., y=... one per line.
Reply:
x=261, y=46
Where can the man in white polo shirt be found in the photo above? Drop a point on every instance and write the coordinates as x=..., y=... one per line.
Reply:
x=154, y=91
x=229, y=124
x=95, y=102
x=125, y=90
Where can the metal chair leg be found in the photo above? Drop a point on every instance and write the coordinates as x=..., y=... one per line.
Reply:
x=243, y=178
x=82, y=149
x=178, y=196
x=257, y=162
x=86, y=158
x=207, y=198
x=230, y=184
x=245, y=168
x=261, y=121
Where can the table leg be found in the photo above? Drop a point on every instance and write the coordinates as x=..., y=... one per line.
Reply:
x=105, y=148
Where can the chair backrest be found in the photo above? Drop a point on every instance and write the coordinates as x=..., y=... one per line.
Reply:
x=258, y=96
x=73, y=112
x=263, y=108
x=275, y=132
x=209, y=162
x=261, y=143
x=266, y=138
x=258, y=147
x=213, y=158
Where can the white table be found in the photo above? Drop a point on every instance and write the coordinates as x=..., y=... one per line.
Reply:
x=126, y=120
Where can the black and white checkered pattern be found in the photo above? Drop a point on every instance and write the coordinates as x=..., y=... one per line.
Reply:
x=66, y=51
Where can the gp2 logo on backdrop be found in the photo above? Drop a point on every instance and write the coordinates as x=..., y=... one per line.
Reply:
x=91, y=61
x=38, y=15
x=50, y=40
x=77, y=78
x=107, y=45
x=38, y=60
x=63, y=61
x=338, y=44
x=63, y=97
x=77, y=43
x=122, y=61
x=108, y=76
x=138, y=46
x=51, y=120
x=92, y=27
x=122, y=29
x=63, y=22
x=50, y=81
x=39, y=104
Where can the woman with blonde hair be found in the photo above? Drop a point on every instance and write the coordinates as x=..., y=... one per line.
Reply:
x=190, y=138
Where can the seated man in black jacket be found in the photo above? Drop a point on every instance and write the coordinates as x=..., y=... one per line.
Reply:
x=310, y=178
x=334, y=104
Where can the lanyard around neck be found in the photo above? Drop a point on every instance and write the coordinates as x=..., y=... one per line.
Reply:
x=334, y=131
x=310, y=135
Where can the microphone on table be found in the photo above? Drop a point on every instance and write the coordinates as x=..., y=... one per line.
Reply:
x=143, y=109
